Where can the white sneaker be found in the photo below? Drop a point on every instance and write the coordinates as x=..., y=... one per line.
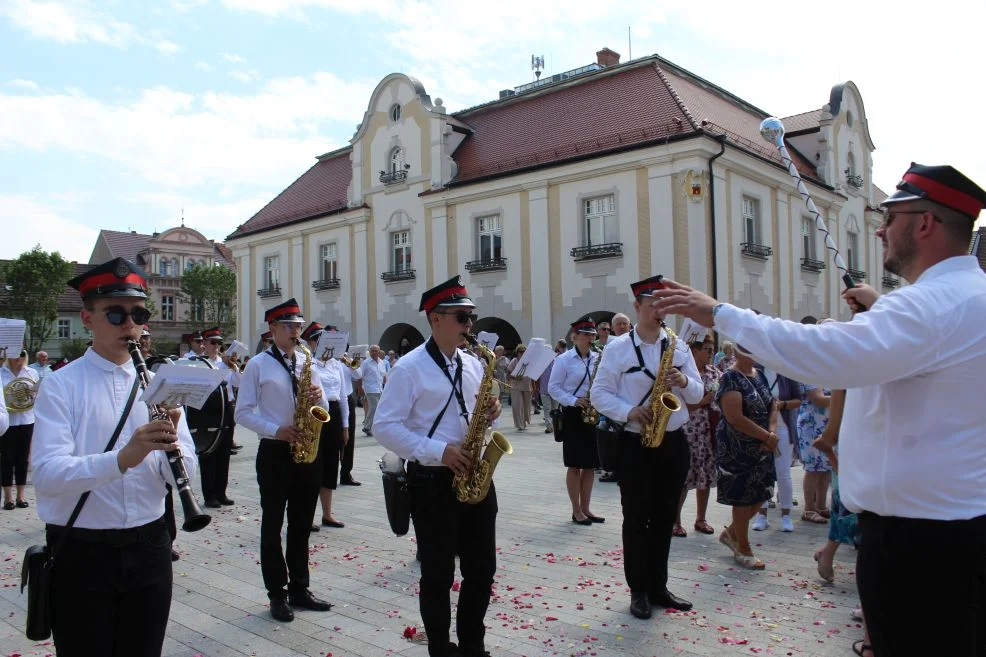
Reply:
x=787, y=525
x=760, y=523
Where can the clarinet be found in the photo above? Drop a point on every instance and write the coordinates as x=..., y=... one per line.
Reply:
x=194, y=518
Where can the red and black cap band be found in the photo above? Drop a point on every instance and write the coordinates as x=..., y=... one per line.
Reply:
x=646, y=287
x=584, y=326
x=947, y=196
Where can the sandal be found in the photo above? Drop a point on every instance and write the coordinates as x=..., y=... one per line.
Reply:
x=679, y=531
x=813, y=516
x=826, y=572
x=749, y=561
x=728, y=540
x=825, y=513
x=860, y=648
x=703, y=527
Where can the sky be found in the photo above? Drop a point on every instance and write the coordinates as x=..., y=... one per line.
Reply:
x=129, y=115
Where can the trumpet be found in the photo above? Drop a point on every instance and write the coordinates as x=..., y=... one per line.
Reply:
x=353, y=362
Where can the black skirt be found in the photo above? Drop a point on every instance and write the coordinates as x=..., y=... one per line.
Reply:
x=579, y=440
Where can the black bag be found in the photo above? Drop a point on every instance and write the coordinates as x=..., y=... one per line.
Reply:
x=608, y=435
x=397, y=498
x=39, y=560
x=556, y=424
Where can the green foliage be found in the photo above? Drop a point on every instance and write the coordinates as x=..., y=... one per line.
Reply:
x=74, y=348
x=211, y=290
x=33, y=282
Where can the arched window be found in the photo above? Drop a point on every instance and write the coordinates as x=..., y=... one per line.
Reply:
x=396, y=159
x=852, y=164
x=852, y=243
x=395, y=112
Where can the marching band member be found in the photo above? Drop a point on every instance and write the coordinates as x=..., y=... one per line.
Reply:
x=111, y=587
x=423, y=417
x=196, y=346
x=215, y=466
x=268, y=392
x=569, y=385
x=651, y=479
x=349, y=451
x=16, y=444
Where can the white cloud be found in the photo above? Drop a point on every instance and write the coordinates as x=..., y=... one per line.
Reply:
x=67, y=23
x=204, y=66
x=48, y=221
x=214, y=220
x=27, y=85
x=233, y=58
x=245, y=76
x=166, y=47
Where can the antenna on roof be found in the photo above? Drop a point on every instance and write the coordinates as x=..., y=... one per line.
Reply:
x=183, y=217
x=537, y=63
x=629, y=45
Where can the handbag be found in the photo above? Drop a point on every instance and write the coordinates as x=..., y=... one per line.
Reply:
x=556, y=424
x=39, y=560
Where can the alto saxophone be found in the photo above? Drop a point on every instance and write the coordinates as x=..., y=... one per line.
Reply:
x=473, y=486
x=589, y=414
x=662, y=401
x=308, y=419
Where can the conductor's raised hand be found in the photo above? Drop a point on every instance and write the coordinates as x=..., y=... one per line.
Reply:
x=457, y=460
x=677, y=299
x=159, y=435
x=288, y=433
x=861, y=297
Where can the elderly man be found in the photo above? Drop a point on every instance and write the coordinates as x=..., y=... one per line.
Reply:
x=41, y=365
x=373, y=373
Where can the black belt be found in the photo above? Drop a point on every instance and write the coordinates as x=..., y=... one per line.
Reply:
x=415, y=469
x=667, y=433
x=114, y=537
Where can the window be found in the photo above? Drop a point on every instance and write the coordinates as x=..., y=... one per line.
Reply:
x=328, y=262
x=198, y=311
x=168, y=308
x=395, y=113
x=64, y=329
x=168, y=266
x=808, y=238
x=402, y=250
x=852, y=250
x=189, y=264
x=852, y=164
x=601, y=225
x=397, y=160
x=751, y=220
x=272, y=272
x=848, y=118
x=490, y=237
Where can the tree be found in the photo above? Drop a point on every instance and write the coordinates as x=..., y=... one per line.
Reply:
x=209, y=291
x=32, y=285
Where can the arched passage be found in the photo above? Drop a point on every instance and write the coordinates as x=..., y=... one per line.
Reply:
x=596, y=316
x=402, y=338
x=509, y=337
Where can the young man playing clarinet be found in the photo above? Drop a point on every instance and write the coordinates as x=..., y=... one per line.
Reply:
x=423, y=416
x=651, y=478
x=111, y=585
x=267, y=398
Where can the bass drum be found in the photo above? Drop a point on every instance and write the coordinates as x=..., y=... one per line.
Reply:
x=206, y=424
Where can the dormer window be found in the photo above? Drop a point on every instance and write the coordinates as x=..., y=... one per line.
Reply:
x=397, y=156
x=395, y=112
x=396, y=167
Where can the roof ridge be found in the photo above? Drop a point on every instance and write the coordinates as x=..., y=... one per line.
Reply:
x=674, y=94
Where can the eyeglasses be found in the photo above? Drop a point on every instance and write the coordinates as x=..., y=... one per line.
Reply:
x=602, y=328
x=117, y=316
x=888, y=217
x=462, y=317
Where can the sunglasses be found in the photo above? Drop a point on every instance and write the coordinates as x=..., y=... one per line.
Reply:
x=603, y=328
x=117, y=316
x=462, y=317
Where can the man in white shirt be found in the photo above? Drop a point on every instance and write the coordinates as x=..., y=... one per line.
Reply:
x=912, y=448
x=266, y=404
x=605, y=435
x=41, y=365
x=196, y=345
x=111, y=585
x=423, y=417
x=651, y=478
x=215, y=422
x=373, y=374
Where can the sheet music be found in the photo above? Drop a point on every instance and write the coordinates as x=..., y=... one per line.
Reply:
x=11, y=337
x=488, y=340
x=179, y=385
x=237, y=348
x=692, y=332
x=331, y=344
x=358, y=350
x=535, y=360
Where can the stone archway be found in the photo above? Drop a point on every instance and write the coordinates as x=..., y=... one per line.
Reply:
x=509, y=337
x=401, y=338
x=596, y=316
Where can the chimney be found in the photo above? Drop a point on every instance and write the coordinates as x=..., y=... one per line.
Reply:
x=607, y=57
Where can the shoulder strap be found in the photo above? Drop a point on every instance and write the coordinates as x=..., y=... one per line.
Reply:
x=584, y=376
x=456, y=391
x=109, y=447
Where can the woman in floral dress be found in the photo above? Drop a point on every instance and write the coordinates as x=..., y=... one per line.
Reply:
x=812, y=419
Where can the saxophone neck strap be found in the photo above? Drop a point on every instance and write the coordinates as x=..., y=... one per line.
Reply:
x=456, y=381
x=641, y=367
x=275, y=353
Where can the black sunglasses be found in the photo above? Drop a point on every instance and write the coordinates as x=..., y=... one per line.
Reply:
x=462, y=317
x=116, y=315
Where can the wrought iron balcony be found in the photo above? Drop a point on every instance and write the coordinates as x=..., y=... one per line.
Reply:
x=393, y=177
x=486, y=264
x=810, y=264
x=855, y=181
x=758, y=251
x=397, y=275
x=598, y=251
x=891, y=281
x=857, y=275
x=268, y=292
x=326, y=284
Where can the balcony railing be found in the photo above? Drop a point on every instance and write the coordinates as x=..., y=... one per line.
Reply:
x=326, y=284
x=268, y=292
x=597, y=251
x=854, y=181
x=487, y=264
x=397, y=275
x=857, y=275
x=890, y=281
x=758, y=251
x=393, y=177
x=810, y=264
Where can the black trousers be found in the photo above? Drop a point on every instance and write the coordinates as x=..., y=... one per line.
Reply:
x=111, y=592
x=349, y=451
x=651, y=480
x=446, y=528
x=284, y=483
x=15, y=446
x=214, y=467
x=329, y=447
x=904, y=565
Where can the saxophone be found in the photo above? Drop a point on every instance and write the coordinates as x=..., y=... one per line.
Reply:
x=589, y=414
x=308, y=419
x=662, y=401
x=474, y=486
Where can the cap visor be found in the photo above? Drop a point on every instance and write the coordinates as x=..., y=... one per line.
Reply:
x=458, y=303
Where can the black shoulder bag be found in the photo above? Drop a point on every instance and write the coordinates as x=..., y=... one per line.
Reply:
x=39, y=560
x=557, y=413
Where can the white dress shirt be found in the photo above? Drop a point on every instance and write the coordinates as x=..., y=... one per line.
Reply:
x=570, y=375
x=415, y=394
x=331, y=378
x=266, y=401
x=6, y=376
x=912, y=441
x=42, y=370
x=347, y=389
x=372, y=372
x=78, y=408
x=4, y=419
x=615, y=393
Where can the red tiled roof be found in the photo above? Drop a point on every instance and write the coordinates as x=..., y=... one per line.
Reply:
x=803, y=121
x=320, y=190
x=125, y=245
x=224, y=255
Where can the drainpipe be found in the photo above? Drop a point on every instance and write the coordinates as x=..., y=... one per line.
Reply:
x=712, y=200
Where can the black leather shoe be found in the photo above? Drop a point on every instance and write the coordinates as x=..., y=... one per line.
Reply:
x=640, y=605
x=280, y=610
x=307, y=601
x=225, y=501
x=609, y=478
x=349, y=481
x=213, y=504
x=670, y=600
x=22, y=504
x=333, y=523
x=581, y=522
x=595, y=518
x=175, y=556
x=8, y=506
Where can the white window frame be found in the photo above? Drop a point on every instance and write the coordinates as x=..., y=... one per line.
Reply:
x=808, y=244
x=489, y=226
x=167, y=308
x=600, y=220
x=750, y=213
x=63, y=328
x=851, y=163
x=400, y=242
x=852, y=250
x=328, y=261
x=395, y=112
x=396, y=159
x=272, y=272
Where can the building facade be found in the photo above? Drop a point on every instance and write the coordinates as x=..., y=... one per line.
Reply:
x=552, y=199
